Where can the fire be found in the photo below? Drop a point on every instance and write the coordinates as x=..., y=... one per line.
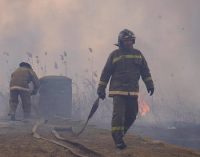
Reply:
x=143, y=107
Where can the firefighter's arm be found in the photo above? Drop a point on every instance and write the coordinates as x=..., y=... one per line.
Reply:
x=35, y=81
x=146, y=76
x=106, y=72
x=105, y=76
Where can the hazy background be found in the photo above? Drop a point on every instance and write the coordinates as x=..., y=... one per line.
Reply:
x=167, y=32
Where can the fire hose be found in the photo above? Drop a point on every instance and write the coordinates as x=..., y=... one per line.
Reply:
x=93, y=110
x=56, y=134
x=36, y=135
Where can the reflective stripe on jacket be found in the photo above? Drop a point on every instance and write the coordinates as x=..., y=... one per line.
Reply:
x=20, y=88
x=124, y=69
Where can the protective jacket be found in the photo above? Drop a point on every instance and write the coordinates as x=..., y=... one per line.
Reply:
x=124, y=68
x=21, y=78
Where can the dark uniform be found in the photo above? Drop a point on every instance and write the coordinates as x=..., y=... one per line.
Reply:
x=19, y=86
x=124, y=68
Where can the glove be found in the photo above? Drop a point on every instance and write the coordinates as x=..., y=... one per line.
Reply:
x=150, y=91
x=101, y=92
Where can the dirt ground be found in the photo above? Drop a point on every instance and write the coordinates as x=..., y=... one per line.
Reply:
x=17, y=140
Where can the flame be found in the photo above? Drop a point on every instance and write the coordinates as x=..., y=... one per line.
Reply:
x=143, y=107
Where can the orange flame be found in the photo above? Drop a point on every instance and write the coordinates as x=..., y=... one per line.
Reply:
x=143, y=107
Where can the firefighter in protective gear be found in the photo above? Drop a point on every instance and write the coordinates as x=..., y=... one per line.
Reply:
x=19, y=86
x=123, y=68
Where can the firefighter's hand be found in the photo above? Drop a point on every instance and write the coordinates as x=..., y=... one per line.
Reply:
x=150, y=91
x=101, y=91
x=34, y=92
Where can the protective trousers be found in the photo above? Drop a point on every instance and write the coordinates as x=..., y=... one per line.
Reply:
x=14, y=101
x=125, y=109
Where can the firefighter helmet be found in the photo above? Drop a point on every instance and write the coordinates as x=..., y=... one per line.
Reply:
x=124, y=35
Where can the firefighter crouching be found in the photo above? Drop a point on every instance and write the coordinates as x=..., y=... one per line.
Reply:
x=19, y=87
x=123, y=68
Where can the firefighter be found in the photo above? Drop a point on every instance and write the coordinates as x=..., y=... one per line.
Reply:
x=19, y=87
x=123, y=68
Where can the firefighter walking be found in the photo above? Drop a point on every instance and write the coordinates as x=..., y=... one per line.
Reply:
x=123, y=68
x=19, y=87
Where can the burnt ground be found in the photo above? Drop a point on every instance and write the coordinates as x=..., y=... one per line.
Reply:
x=16, y=140
x=182, y=134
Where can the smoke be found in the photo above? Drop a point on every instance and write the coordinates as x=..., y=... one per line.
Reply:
x=167, y=32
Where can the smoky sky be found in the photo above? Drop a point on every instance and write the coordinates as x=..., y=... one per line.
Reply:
x=167, y=32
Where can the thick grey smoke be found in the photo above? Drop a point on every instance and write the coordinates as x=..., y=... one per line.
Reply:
x=167, y=32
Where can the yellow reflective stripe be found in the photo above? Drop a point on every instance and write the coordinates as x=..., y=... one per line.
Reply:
x=117, y=59
x=147, y=79
x=117, y=128
x=127, y=57
x=19, y=88
x=123, y=93
x=133, y=56
x=102, y=83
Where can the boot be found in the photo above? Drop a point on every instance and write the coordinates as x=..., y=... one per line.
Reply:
x=11, y=113
x=12, y=117
x=121, y=145
x=118, y=139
